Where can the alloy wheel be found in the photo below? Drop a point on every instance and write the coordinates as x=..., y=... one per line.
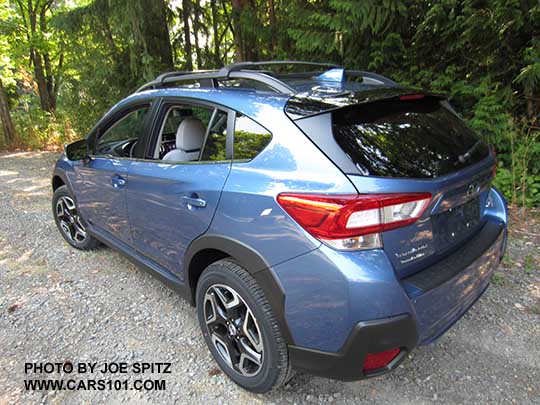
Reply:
x=233, y=330
x=70, y=220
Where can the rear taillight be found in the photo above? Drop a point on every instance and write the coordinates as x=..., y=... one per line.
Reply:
x=375, y=361
x=351, y=222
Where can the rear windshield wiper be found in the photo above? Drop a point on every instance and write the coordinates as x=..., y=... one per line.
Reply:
x=464, y=157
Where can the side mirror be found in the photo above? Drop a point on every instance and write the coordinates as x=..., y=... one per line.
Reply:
x=77, y=150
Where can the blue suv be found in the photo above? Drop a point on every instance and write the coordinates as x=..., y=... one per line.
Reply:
x=320, y=219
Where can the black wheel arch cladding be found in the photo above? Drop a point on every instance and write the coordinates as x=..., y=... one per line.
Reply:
x=250, y=260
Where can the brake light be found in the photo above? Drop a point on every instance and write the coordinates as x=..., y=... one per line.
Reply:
x=375, y=361
x=408, y=97
x=351, y=222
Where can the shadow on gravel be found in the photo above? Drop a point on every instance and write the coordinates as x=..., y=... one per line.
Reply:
x=58, y=304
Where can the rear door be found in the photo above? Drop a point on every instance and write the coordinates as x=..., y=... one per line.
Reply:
x=170, y=203
x=412, y=143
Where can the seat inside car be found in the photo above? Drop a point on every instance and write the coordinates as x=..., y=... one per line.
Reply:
x=189, y=140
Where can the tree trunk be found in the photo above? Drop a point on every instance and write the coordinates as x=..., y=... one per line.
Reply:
x=215, y=29
x=245, y=38
x=196, y=22
x=156, y=35
x=42, y=74
x=5, y=117
x=187, y=34
x=237, y=9
x=49, y=74
x=43, y=88
x=272, y=18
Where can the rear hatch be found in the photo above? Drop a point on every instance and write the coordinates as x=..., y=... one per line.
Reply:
x=395, y=141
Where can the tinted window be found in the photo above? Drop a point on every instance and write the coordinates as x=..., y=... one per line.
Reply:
x=122, y=137
x=414, y=139
x=174, y=117
x=215, y=147
x=249, y=138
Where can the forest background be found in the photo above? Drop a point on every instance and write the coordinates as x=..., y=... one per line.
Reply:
x=63, y=63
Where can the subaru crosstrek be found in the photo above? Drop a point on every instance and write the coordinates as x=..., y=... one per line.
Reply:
x=320, y=219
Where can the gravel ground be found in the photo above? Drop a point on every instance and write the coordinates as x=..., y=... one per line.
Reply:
x=61, y=305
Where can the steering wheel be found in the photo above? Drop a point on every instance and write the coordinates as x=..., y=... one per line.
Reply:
x=127, y=149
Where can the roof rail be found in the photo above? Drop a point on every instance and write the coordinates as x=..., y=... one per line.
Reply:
x=165, y=75
x=244, y=70
x=178, y=76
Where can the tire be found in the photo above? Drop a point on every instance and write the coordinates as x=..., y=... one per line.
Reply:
x=70, y=224
x=248, y=333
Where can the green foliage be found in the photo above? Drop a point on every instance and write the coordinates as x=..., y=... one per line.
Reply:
x=39, y=129
x=529, y=76
x=247, y=145
x=484, y=55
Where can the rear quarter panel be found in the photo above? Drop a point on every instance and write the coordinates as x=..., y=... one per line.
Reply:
x=248, y=211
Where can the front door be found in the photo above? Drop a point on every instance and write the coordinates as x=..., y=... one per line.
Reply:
x=101, y=181
x=172, y=194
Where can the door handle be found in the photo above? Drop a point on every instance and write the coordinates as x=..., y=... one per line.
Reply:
x=194, y=201
x=118, y=181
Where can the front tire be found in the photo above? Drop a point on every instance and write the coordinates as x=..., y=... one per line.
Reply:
x=69, y=222
x=240, y=328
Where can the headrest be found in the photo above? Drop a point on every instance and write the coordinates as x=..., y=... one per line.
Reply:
x=190, y=134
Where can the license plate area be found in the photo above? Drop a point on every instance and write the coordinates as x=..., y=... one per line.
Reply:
x=456, y=224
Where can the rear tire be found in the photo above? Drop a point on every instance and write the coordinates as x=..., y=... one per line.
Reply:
x=69, y=222
x=240, y=328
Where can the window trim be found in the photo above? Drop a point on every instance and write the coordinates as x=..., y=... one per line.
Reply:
x=210, y=123
x=229, y=142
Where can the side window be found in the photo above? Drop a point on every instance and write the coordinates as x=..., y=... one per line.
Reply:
x=183, y=133
x=215, y=147
x=249, y=138
x=122, y=137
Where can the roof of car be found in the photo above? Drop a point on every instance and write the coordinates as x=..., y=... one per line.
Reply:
x=284, y=77
x=247, y=86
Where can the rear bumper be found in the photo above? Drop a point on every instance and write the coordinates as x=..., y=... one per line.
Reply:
x=441, y=294
x=366, y=337
x=433, y=312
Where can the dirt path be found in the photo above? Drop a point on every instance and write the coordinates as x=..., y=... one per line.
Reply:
x=58, y=304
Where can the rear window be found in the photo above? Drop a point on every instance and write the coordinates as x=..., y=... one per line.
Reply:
x=414, y=139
